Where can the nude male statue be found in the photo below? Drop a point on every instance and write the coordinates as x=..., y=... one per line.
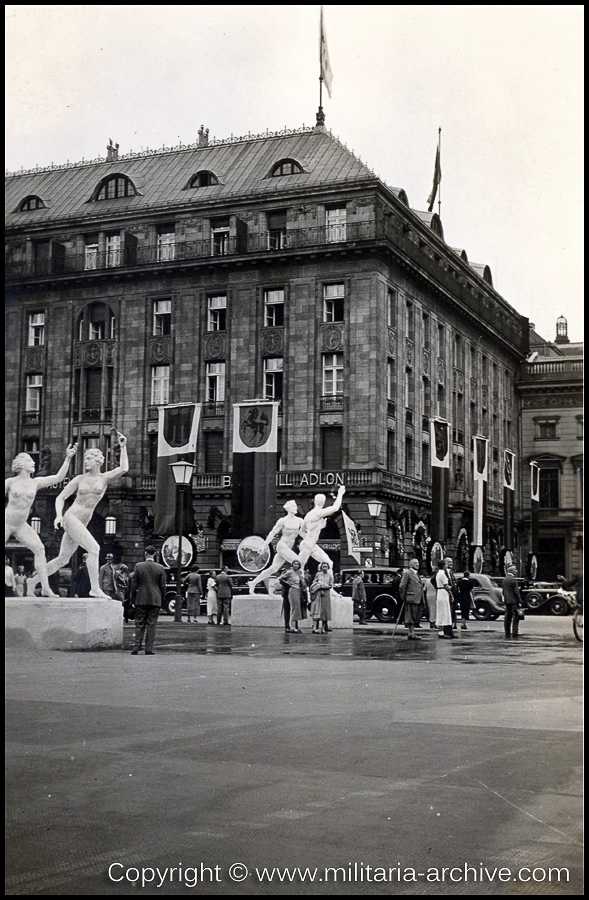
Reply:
x=313, y=523
x=89, y=488
x=21, y=491
x=288, y=527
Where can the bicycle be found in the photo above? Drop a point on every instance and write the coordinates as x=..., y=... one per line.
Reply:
x=578, y=623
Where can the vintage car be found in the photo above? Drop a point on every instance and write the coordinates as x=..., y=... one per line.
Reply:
x=487, y=597
x=547, y=596
x=239, y=578
x=382, y=591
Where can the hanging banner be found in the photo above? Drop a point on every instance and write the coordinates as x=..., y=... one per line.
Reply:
x=255, y=447
x=177, y=435
x=509, y=470
x=481, y=458
x=440, y=443
x=535, y=481
x=352, y=538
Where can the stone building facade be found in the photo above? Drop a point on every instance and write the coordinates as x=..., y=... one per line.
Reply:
x=273, y=266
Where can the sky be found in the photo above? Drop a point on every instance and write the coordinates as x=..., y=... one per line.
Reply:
x=504, y=83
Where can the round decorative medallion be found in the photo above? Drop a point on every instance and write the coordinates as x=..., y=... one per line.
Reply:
x=215, y=346
x=272, y=342
x=93, y=354
x=332, y=338
x=35, y=358
x=253, y=553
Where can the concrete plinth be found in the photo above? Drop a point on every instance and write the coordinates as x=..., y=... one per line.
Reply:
x=258, y=609
x=48, y=623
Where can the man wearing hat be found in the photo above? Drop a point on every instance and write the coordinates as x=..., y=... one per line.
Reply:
x=107, y=577
x=513, y=601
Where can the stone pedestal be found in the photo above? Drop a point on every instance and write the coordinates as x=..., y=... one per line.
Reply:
x=264, y=610
x=59, y=623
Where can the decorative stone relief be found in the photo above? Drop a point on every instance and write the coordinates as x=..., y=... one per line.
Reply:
x=35, y=358
x=441, y=371
x=93, y=354
x=272, y=342
x=332, y=338
x=161, y=350
x=109, y=352
x=410, y=352
x=215, y=346
x=392, y=344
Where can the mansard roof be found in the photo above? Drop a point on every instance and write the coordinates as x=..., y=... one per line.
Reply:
x=242, y=166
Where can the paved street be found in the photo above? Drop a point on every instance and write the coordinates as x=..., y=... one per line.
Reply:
x=384, y=757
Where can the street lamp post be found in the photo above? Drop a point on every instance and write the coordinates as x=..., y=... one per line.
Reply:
x=374, y=508
x=182, y=472
x=110, y=526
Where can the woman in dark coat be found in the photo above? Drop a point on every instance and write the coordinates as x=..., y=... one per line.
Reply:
x=321, y=594
x=294, y=606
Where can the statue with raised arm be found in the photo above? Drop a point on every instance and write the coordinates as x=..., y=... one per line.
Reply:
x=21, y=491
x=288, y=527
x=313, y=523
x=89, y=488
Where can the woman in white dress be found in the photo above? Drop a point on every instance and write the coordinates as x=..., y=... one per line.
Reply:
x=443, y=604
x=211, y=599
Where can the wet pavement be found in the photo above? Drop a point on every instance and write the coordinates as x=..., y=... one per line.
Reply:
x=252, y=748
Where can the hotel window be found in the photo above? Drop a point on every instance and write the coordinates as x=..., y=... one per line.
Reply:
x=485, y=369
x=166, y=243
x=274, y=307
x=160, y=385
x=441, y=401
x=91, y=252
x=114, y=187
x=36, y=330
x=392, y=309
x=113, y=250
x=409, y=461
x=96, y=323
x=220, y=237
x=426, y=468
x=276, y=221
x=391, y=380
x=410, y=321
x=31, y=446
x=286, y=167
x=458, y=352
x=391, y=455
x=90, y=442
x=162, y=317
x=331, y=448
x=473, y=362
x=213, y=447
x=427, y=397
x=546, y=429
x=33, y=393
x=215, y=375
x=273, y=368
x=217, y=312
x=335, y=223
x=441, y=340
x=548, y=488
x=333, y=303
x=333, y=373
x=426, y=322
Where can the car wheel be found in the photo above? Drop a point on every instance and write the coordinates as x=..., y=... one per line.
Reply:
x=558, y=606
x=534, y=601
x=169, y=606
x=482, y=610
x=384, y=608
x=493, y=616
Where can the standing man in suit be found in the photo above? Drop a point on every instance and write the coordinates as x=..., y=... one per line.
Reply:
x=224, y=595
x=513, y=601
x=411, y=593
x=148, y=588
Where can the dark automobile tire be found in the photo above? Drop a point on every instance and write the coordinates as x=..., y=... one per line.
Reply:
x=494, y=616
x=558, y=606
x=384, y=607
x=482, y=611
x=169, y=606
x=534, y=601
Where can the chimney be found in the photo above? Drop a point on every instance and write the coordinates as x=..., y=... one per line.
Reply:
x=112, y=151
x=203, y=137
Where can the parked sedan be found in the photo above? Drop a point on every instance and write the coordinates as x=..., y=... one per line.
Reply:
x=547, y=596
x=487, y=598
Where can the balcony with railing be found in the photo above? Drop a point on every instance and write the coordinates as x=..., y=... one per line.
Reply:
x=211, y=408
x=331, y=403
x=547, y=370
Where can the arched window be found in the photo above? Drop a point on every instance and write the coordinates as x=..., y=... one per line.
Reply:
x=31, y=202
x=204, y=178
x=286, y=167
x=114, y=187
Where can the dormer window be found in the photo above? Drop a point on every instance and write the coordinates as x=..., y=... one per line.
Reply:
x=31, y=202
x=286, y=167
x=114, y=187
x=203, y=179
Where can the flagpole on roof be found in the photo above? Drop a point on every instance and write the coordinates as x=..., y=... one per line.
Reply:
x=325, y=74
x=440, y=173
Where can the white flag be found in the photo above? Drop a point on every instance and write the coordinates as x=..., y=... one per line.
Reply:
x=326, y=73
x=352, y=537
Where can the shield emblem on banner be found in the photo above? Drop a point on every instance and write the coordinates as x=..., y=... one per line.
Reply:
x=441, y=440
x=178, y=425
x=255, y=425
x=508, y=473
x=481, y=455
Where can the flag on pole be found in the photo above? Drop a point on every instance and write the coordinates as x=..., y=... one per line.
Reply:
x=509, y=470
x=440, y=444
x=352, y=538
x=177, y=434
x=326, y=73
x=437, y=178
